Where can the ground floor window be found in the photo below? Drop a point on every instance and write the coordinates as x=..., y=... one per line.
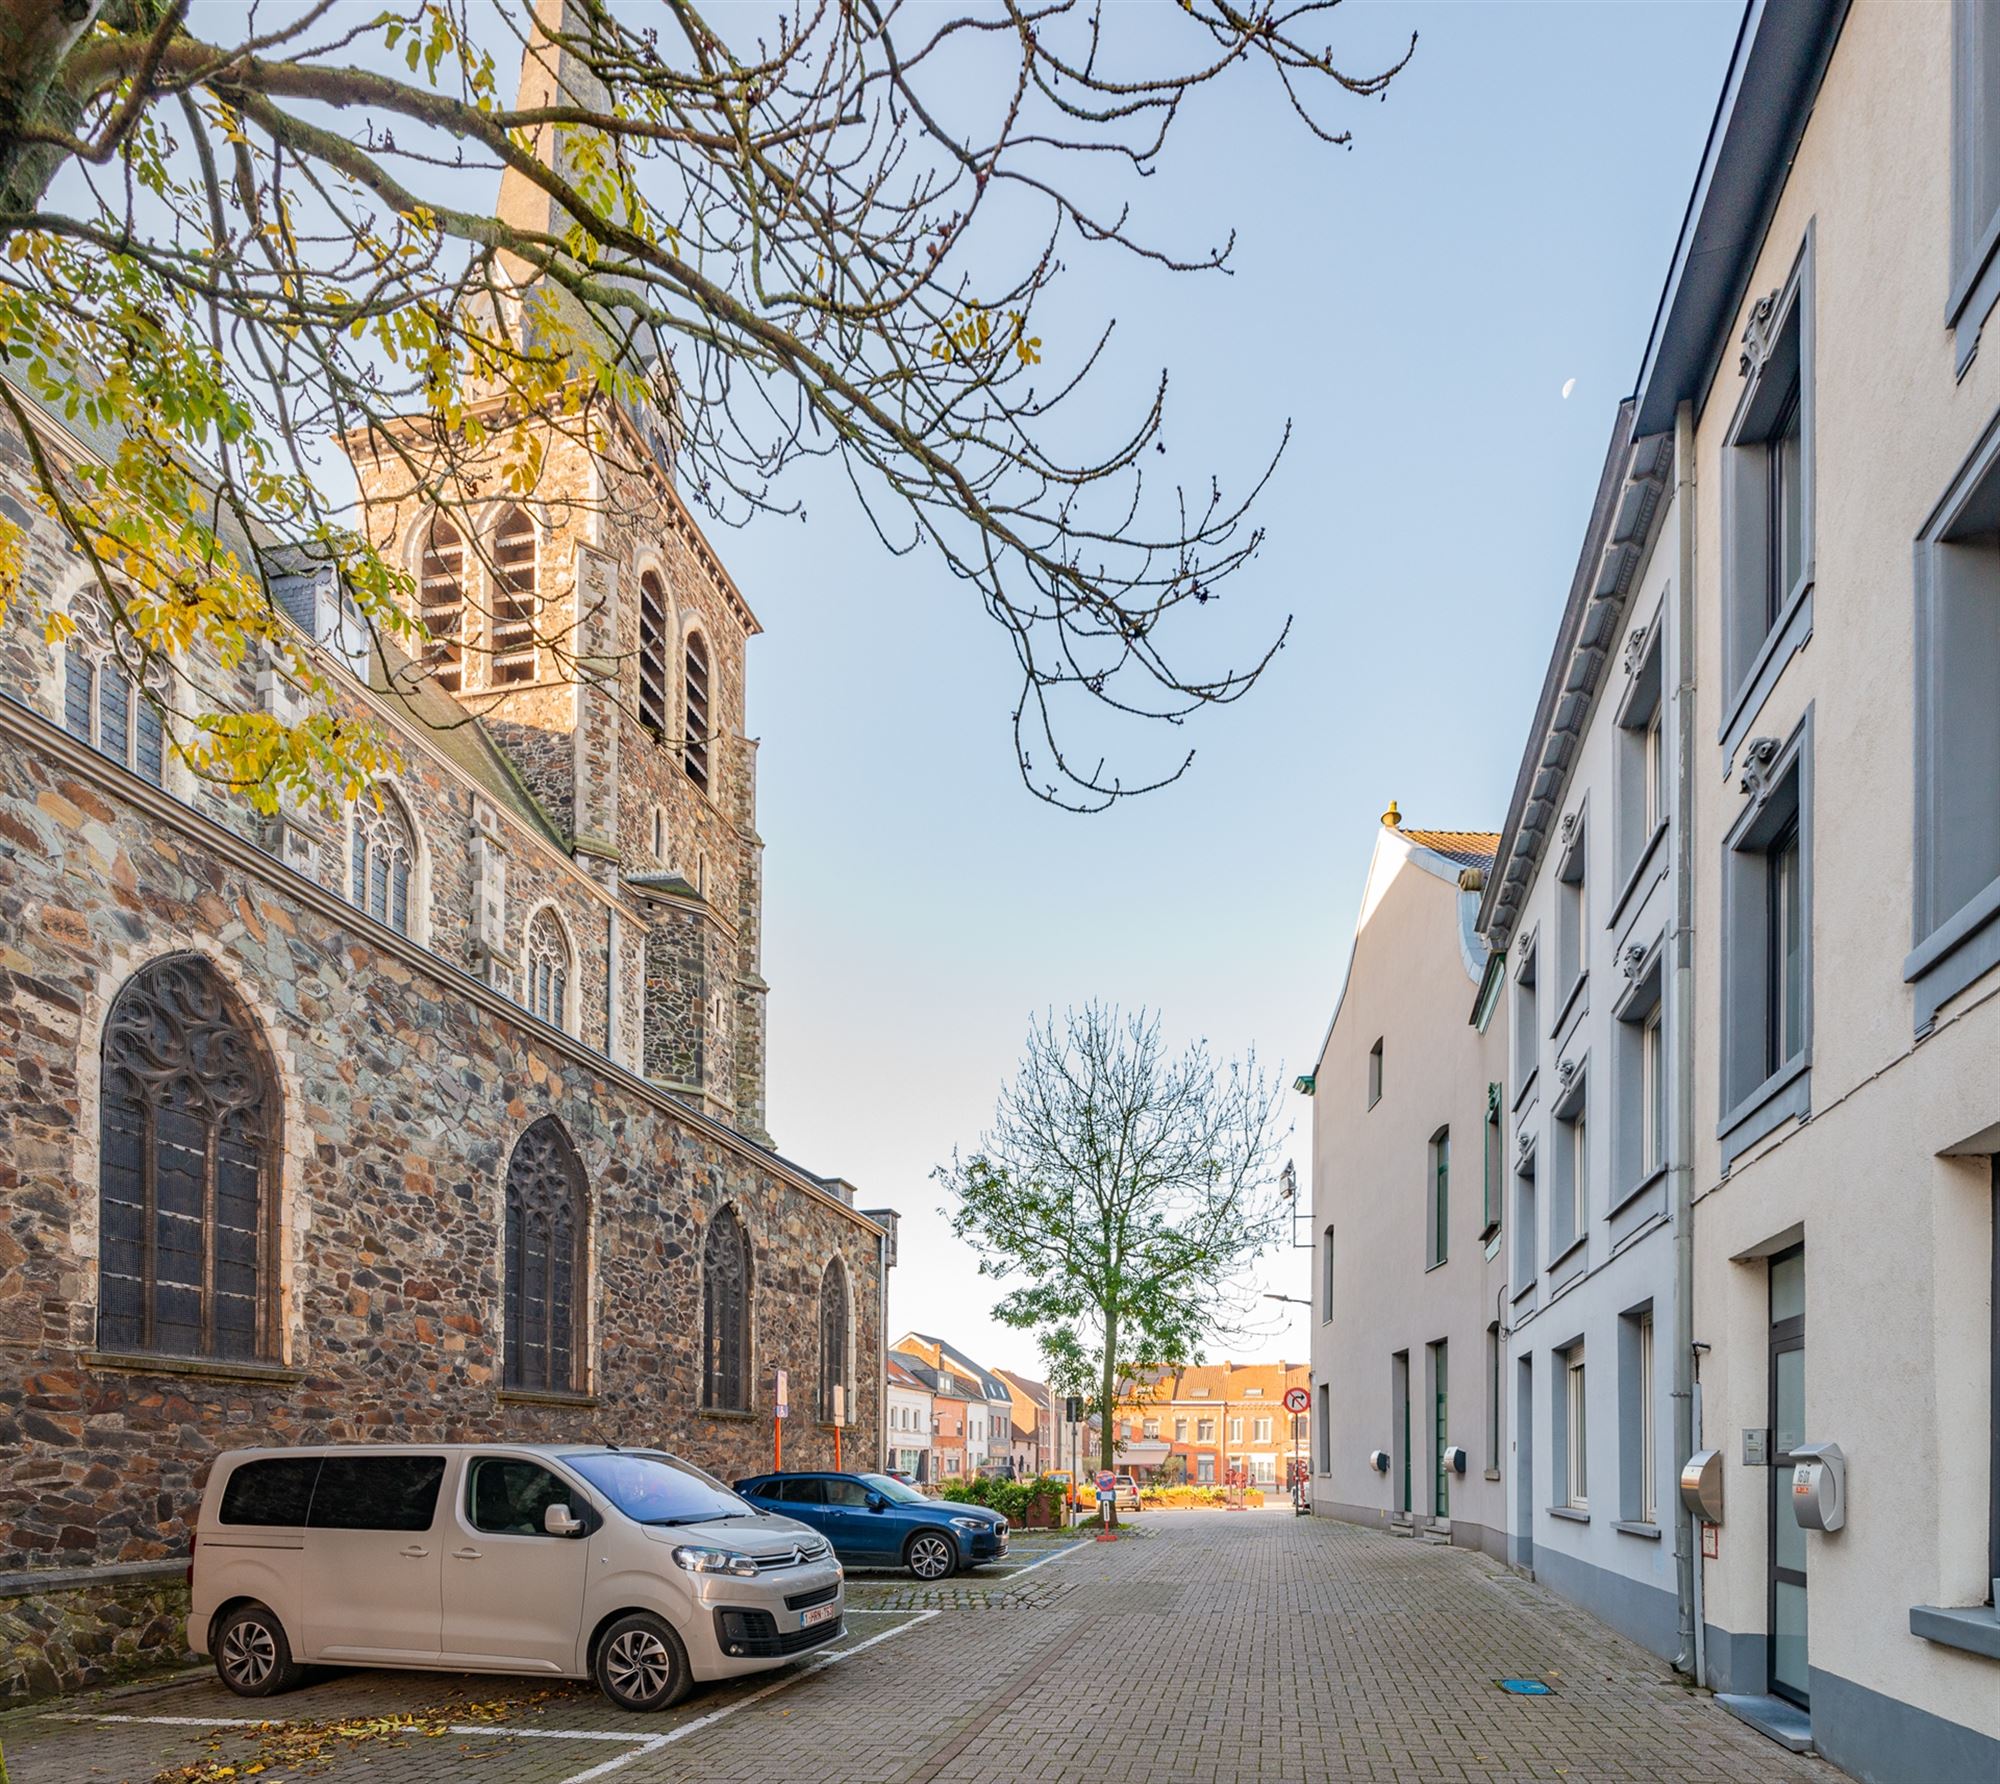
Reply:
x=1204, y=1467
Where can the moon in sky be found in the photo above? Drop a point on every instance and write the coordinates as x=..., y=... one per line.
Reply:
x=1569, y=384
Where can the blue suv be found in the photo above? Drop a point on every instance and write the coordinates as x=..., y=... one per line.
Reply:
x=873, y=1520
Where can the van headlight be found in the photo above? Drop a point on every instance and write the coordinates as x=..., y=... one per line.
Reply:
x=972, y=1526
x=730, y=1561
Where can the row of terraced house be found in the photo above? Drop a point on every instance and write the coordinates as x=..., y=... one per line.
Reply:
x=1656, y=1127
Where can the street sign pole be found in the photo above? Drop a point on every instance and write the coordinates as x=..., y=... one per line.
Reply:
x=778, y=1427
x=839, y=1419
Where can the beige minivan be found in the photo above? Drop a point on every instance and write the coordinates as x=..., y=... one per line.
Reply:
x=572, y=1560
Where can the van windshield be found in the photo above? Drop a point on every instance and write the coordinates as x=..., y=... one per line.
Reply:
x=654, y=1489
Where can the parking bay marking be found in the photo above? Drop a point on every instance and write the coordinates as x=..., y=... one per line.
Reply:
x=641, y=1744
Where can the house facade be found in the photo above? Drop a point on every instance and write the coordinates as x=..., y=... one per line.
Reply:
x=1211, y=1424
x=1407, y=1209
x=1819, y=361
x=1581, y=903
x=910, y=1410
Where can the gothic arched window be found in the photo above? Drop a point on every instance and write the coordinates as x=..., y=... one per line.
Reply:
x=514, y=585
x=384, y=853
x=187, y=1158
x=725, y=1314
x=694, y=748
x=546, y=1224
x=102, y=704
x=655, y=665
x=441, y=603
x=833, y=1328
x=548, y=968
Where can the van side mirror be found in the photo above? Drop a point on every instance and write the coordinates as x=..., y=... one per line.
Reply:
x=877, y=1503
x=559, y=1520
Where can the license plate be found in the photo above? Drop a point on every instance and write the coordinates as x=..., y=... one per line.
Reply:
x=820, y=1613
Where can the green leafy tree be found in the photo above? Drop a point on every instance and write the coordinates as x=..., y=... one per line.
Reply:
x=1120, y=1196
x=234, y=239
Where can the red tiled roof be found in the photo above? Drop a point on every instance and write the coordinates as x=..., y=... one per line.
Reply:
x=1464, y=848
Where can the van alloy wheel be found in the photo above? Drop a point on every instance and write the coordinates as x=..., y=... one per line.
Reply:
x=249, y=1655
x=640, y=1664
x=932, y=1557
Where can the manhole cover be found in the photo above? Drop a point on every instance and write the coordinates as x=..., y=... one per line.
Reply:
x=1528, y=1687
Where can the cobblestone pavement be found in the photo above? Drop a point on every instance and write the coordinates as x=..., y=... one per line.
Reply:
x=1212, y=1648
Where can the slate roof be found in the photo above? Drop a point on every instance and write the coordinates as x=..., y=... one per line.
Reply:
x=989, y=1384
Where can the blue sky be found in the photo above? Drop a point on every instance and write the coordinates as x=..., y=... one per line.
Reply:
x=1414, y=306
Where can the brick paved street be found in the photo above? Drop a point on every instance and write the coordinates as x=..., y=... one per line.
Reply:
x=1212, y=1649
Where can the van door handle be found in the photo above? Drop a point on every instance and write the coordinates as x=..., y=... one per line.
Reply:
x=467, y=1554
x=415, y=1552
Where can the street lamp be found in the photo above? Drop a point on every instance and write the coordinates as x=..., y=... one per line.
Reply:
x=1298, y=1479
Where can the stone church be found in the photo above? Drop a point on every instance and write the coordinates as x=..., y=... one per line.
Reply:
x=443, y=1120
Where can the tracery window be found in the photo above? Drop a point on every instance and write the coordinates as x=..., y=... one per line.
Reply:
x=725, y=1314
x=383, y=855
x=654, y=662
x=441, y=603
x=188, y=1128
x=833, y=1328
x=514, y=589
x=546, y=1225
x=102, y=703
x=695, y=746
x=548, y=968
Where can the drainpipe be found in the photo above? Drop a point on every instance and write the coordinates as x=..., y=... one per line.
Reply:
x=1687, y=1561
x=1700, y=1614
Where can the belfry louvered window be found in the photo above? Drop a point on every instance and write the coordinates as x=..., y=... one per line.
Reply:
x=546, y=1224
x=186, y=1171
x=725, y=1315
x=548, y=968
x=441, y=603
x=383, y=859
x=695, y=745
x=654, y=666
x=514, y=588
x=833, y=1342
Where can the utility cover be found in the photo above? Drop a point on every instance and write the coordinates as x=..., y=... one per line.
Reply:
x=1528, y=1687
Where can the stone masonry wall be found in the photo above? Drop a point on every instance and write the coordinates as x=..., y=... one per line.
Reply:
x=404, y=1088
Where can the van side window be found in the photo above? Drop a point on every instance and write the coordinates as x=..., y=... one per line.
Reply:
x=377, y=1492
x=508, y=1497
x=272, y=1492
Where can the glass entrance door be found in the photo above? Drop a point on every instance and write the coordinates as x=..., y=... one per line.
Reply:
x=1789, y=1675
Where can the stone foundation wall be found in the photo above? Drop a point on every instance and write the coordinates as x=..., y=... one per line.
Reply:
x=71, y=1638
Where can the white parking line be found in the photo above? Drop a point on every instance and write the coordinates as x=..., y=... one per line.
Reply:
x=640, y=1744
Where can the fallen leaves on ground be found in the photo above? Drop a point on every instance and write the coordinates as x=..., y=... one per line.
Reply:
x=288, y=1749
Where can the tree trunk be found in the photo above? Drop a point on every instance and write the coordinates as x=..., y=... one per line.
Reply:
x=36, y=37
x=1107, y=1400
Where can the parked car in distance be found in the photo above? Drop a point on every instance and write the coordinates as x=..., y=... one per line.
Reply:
x=1126, y=1497
x=908, y=1480
x=570, y=1560
x=874, y=1520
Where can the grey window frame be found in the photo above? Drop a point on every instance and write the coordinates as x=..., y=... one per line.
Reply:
x=1569, y=1166
x=1778, y=343
x=1324, y=1434
x=1974, y=282
x=1638, y=1422
x=1572, y=914
x=1492, y=1135
x=1326, y=1276
x=1641, y=716
x=1632, y=1167
x=1566, y=1444
x=1955, y=938
x=1527, y=1018
x=1527, y=1264
x=1375, y=1072
x=1437, y=1183
x=1755, y=1101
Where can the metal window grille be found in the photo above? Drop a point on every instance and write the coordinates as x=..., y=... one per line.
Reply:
x=186, y=1245
x=546, y=1224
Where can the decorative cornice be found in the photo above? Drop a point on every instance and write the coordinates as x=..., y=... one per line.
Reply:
x=1635, y=650
x=1632, y=961
x=1524, y=1143
x=1565, y=1072
x=1758, y=755
x=1759, y=335
x=1568, y=828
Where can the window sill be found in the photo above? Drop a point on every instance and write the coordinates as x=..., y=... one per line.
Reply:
x=1971, y=1631
x=1634, y=1527
x=544, y=1397
x=1786, y=1093
x=1571, y=1004
x=739, y=1415
x=1646, y=860
x=1488, y=1230
x=1964, y=947
x=1649, y=1181
x=210, y=1369
x=1436, y=1263
x=1786, y=637
x=1568, y=1252
x=1570, y=1514
x=1527, y=1086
